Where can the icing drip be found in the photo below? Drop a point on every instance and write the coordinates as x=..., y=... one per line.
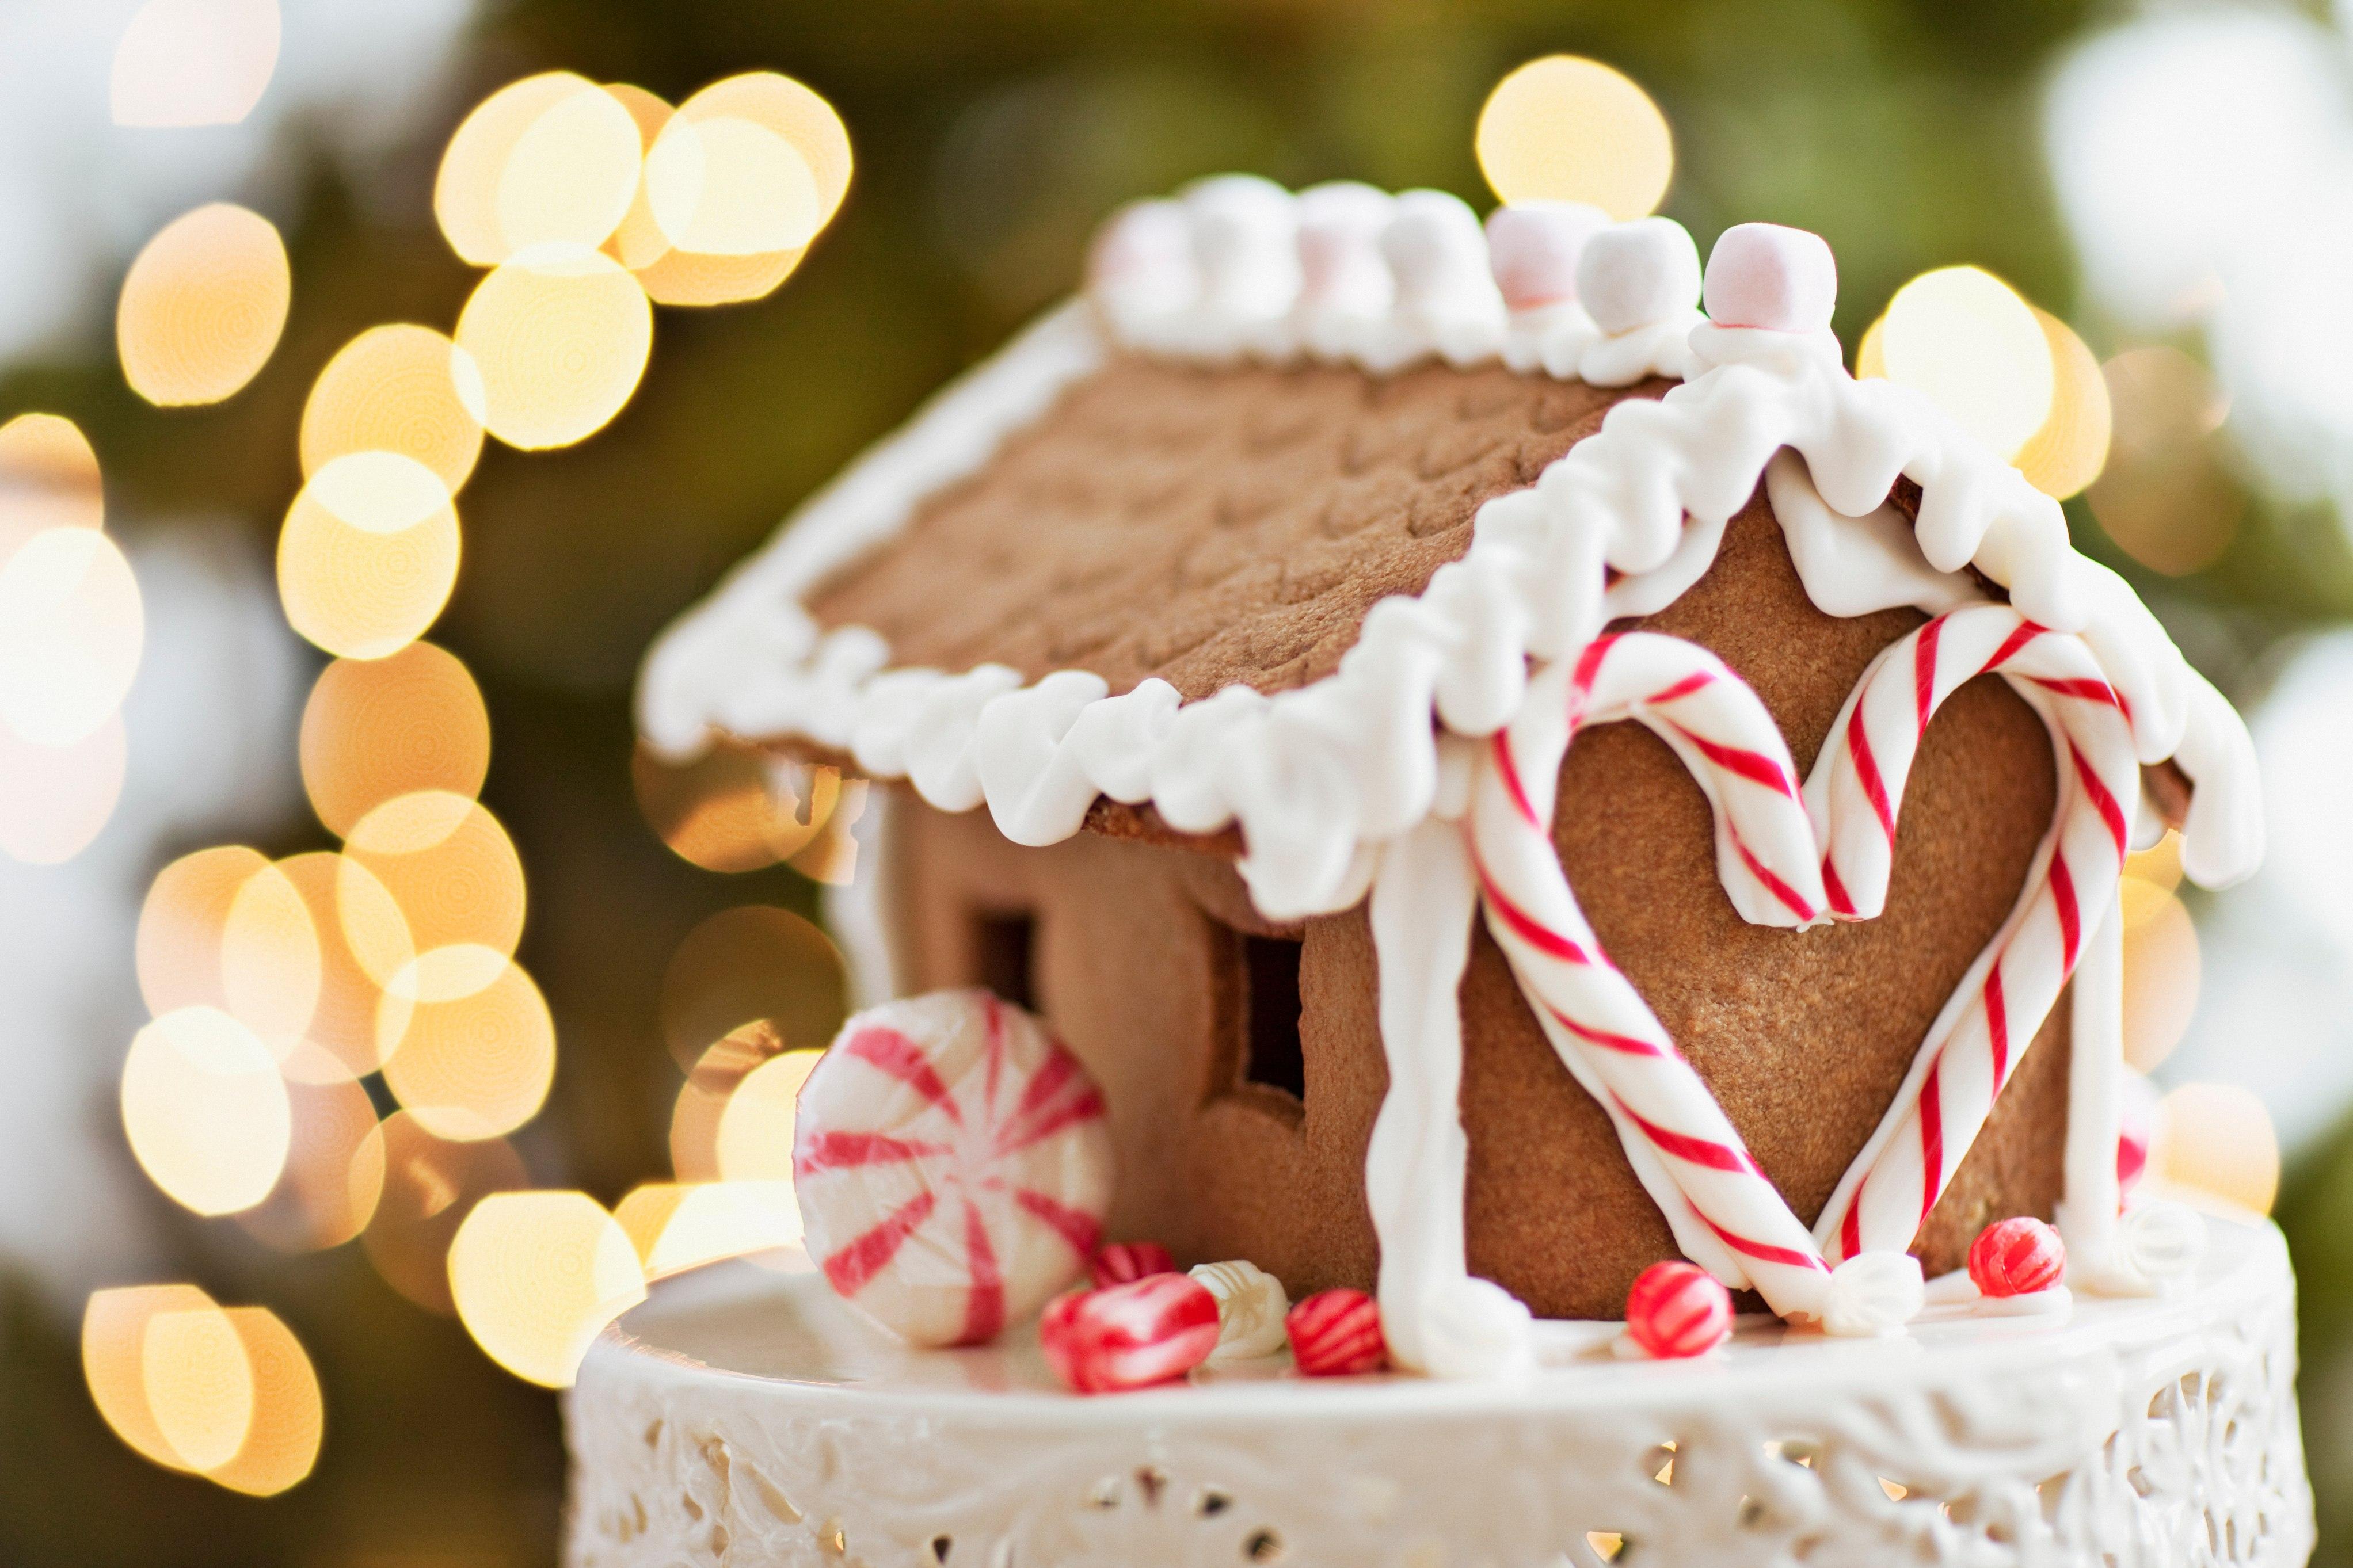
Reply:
x=1345, y=784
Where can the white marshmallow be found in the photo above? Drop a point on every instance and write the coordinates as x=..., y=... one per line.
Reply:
x=1342, y=272
x=1245, y=242
x=1764, y=274
x=1532, y=248
x=1638, y=274
x=1142, y=259
x=1439, y=253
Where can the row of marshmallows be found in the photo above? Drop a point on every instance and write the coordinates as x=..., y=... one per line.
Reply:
x=1237, y=266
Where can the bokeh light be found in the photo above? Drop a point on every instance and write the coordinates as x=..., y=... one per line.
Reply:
x=754, y=963
x=1964, y=338
x=2165, y=497
x=452, y=870
x=1568, y=129
x=203, y=306
x=2217, y=1138
x=272, y=960
x=193, y=62
x=477, y=1065
x=333, y=1174
x=2159, y=864
x=377, y=728
x=354, y=1023
x=207, y=1112
x=755, y=1130
x=287, y=1419
x=368, y=555
x=570, y=176
x=560, y=334
x=639, y=242
x=714, y=192
x=399, y=388
x=735, y=808
x=536, y=1275
x=684, y=277
x=55, y=800
x=701, y=1103
x=680, y=1226
x=199, y=1384
x=183, y=924
x=2162, y=971
x=2068, y=452
x=114, y=1326
x=429, y=1187
x=48, y=479
x=467, y=188
x=831, y=857
x=726, y=186
x=72, y=632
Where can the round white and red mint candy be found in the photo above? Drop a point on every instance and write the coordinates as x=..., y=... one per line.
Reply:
x=953, y=1166
x=1147, y=1331
x=2017, y=1257
x=1336, y=1334
x=1120, y=1262
x=1677, y=1310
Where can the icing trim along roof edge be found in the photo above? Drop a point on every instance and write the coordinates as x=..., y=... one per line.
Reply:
x=1317, y=778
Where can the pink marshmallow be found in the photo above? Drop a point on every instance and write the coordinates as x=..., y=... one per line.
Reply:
x=1534, y=249
x=1762, y=275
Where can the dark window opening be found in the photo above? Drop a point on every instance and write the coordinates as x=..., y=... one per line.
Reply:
x=1271, y=1054
x=1004, y=944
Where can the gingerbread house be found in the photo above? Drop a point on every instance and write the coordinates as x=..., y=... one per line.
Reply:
x=1258, y=596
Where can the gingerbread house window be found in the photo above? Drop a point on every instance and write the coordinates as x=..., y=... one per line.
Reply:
x=1005, y=954
x=1258, y=1021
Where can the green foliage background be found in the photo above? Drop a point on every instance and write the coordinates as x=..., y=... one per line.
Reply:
x=991, y=136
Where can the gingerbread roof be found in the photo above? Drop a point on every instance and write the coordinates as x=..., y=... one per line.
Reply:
x=1210, y=526
x=1303, y=485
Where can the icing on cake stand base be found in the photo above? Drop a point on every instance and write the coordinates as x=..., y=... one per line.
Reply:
x=744, y=1416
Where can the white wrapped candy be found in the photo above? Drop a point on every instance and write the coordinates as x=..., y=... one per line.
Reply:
x=953, y=1166
x=1251, y=1304
x=1638, y=274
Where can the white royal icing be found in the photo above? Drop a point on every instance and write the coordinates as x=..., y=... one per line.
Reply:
x=1345, y=786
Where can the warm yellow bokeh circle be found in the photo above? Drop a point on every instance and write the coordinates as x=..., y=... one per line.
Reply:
x=1566, y=129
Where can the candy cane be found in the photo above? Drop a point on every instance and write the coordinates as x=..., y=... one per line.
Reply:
x=1724, y=1212
x=1975, y=1042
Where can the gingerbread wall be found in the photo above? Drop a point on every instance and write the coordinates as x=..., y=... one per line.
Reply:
x=1804, y=1036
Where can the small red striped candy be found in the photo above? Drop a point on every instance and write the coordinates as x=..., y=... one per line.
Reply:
x=1336, y=1334
x=1133, y=1335
x=2017, y=1257
x=1122, y=1261
x=1677, y=1310
x=953, y=1166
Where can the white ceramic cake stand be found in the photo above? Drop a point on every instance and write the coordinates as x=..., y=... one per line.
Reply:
x=744, y=1417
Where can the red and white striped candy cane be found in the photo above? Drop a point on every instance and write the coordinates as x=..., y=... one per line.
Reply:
x=1726, y=1214
x=1975, y=1042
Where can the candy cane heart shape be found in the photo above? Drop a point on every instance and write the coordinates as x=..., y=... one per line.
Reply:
x=1727, y=1216
x=1976, y=1041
